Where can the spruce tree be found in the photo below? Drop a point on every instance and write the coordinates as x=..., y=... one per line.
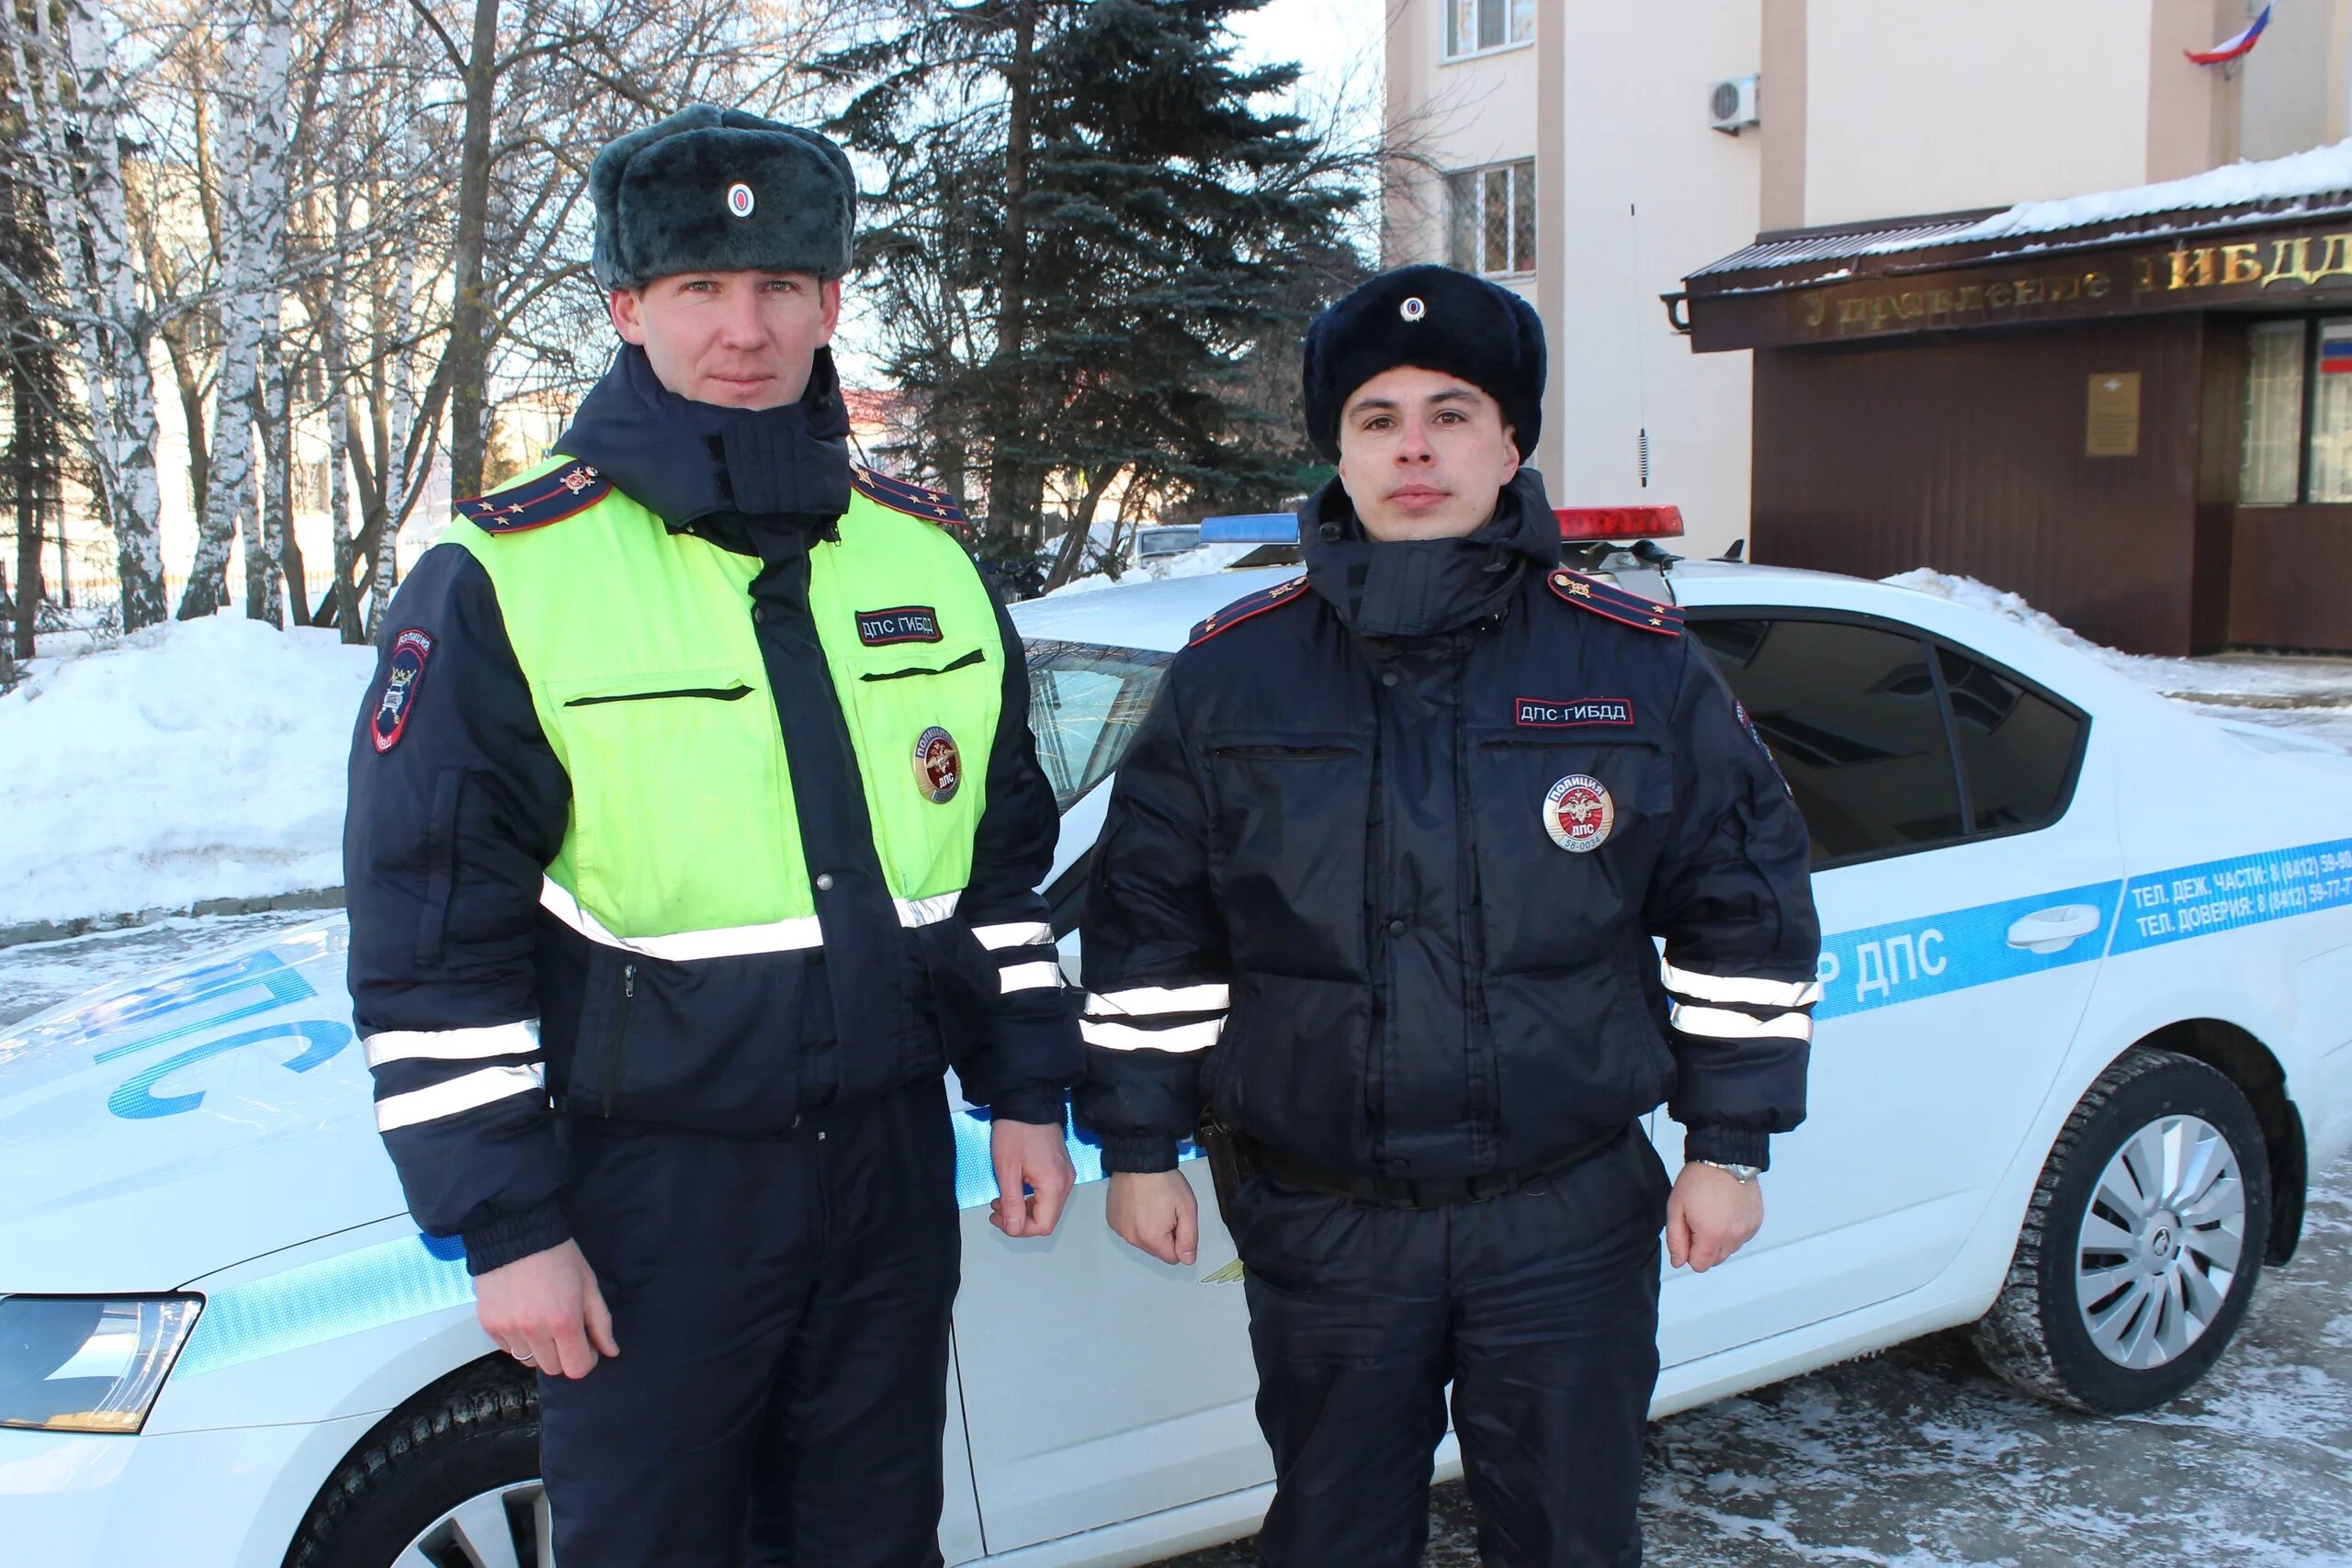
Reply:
x=1161, y=220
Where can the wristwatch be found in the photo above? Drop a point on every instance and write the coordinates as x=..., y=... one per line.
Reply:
x=1742, y=1174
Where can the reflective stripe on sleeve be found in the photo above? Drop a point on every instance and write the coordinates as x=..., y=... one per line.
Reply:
x=1021, y=934
x=798, y=934
x=1126, y=1037
x=460, y=1094
x=1739, y=988
x=1041, y=976
x=452, y=1044
x=1147, y=1001
x=1720, y=1024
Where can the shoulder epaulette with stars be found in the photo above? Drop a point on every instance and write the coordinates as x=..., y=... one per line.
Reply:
x=931, y=506
x=535, y=502
x=1608, y=600
x=1241, y=609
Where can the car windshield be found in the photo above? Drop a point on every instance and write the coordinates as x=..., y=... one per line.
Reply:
x=1085, y=700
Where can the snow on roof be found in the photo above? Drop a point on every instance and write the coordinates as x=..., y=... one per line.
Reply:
x=2296, y=181
x=2321, y=171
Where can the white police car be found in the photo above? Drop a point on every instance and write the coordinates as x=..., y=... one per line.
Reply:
x=2087, y=1025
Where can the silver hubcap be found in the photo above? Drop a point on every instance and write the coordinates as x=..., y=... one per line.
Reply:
x=2161, y=1241
x=502, y=1529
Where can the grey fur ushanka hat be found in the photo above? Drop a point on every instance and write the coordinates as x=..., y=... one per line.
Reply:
x=718, y=190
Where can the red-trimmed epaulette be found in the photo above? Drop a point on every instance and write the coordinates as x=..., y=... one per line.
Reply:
x=931, y=506
x=1606, y=598
x=1241, y=609
x=536, y=502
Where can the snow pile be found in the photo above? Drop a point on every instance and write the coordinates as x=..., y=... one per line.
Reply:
x=2308, y=694
x=2294, y=681
x=191, y=760
x=1202, y=561
x=2321, y=171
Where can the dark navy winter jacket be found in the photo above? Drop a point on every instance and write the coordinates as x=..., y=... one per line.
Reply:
x=1384, y=866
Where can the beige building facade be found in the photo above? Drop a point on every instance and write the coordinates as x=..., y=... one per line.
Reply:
x=1570, y=151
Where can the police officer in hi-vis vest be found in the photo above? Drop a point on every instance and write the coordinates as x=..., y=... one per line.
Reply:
x=1378, y=889
x=695, y=831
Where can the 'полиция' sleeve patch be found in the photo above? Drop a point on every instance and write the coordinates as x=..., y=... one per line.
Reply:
x=403, y=681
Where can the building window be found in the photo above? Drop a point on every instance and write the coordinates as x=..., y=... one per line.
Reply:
x=1492, y=218
x=1474, y=26
x=2298, y=431
x=2270, y=464
x=2331, y=434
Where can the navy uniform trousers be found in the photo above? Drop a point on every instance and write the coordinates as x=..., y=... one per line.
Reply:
x=782, y=1310
x=1541, y=1307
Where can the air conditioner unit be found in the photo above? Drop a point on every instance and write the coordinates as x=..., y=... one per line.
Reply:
x=1731, y=104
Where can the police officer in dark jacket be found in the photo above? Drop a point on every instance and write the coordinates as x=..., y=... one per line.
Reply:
x=694, y=829
x=1379, y=891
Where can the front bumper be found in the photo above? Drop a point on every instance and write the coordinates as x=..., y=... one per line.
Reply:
x=230, y=1497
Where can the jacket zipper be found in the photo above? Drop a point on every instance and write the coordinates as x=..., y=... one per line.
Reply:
x=617, y=1041
x=1478, y=1048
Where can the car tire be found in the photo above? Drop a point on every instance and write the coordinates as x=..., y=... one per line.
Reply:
x=457, y=1463
x=2141, y=1243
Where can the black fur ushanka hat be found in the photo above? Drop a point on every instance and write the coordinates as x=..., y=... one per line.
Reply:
x=1432, y=318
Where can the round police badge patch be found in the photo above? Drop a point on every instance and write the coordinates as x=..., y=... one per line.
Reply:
x=739, y=200
x=403, y=676
x=939, y=766
x=1578, y=813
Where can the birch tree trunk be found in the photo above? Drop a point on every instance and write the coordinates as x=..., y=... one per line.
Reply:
x=139, y=504
x=253, y=215
x=266, y=551
x=228, y=446
x=397, y=496
x=77, y=162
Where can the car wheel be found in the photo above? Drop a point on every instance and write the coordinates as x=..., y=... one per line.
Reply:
x=2141, y=1243
x=451, y=1481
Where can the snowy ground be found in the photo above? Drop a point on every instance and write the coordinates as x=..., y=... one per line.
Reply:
x=1921, y=1459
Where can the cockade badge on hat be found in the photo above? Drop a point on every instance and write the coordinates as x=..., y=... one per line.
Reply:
x=1413, y=309
x=739, y=200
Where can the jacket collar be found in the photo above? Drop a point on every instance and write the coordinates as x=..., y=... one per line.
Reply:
x=728, y=474
x=1413, y=588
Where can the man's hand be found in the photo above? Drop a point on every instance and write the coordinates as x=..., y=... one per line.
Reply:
x=545, y=1312
x=1711, y=1216
x=1155, y=1210
x=1028, y=1154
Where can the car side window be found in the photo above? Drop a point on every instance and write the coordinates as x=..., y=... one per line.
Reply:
x=2017, y=749
x=1084, y=704
x=1851, y=716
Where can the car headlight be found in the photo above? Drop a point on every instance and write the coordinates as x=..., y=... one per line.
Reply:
x=86, y=1364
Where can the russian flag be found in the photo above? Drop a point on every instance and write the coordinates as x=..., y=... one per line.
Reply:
x=2231, y=49
x=2335, y=356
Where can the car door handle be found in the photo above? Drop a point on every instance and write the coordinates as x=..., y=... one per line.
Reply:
x=2056, y=929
